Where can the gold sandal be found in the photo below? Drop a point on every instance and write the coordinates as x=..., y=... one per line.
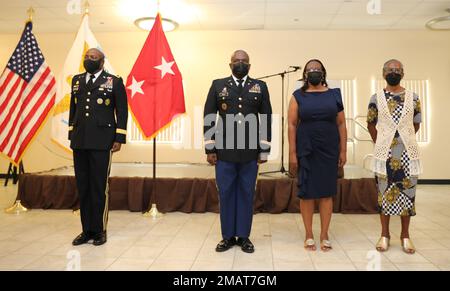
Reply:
x=310, y=244
x=408, y=246
x=325, y=245
x=383, y=244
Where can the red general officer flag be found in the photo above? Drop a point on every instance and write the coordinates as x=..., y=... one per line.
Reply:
x=154, y=86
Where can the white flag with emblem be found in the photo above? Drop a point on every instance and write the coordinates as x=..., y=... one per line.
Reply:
x=73, y=65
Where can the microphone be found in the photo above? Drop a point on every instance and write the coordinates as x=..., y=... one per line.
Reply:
x=295, y=67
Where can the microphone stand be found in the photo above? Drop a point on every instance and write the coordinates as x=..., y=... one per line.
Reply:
x=282, y=170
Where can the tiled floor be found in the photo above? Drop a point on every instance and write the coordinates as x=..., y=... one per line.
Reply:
x=41, y=240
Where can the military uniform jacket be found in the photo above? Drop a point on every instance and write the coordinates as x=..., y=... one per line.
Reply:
x=98, y=114
x=238, y=109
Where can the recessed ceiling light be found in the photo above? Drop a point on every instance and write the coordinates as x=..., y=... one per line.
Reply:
x=439, y=23
x=146, y=23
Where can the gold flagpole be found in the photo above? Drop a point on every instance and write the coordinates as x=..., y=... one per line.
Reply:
x=86, y=7
x=30, y=12
x=17, y=207
x=153, y=212
x=158, y=7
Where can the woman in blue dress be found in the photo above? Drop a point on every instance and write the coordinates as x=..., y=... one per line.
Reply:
x=317, y=147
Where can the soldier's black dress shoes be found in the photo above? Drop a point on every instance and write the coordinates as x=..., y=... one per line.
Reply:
x=225, y=244
x=81, y=239
x=246, y=245
x=100, y=238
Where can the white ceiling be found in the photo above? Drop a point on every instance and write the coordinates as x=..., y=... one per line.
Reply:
x=118, y=15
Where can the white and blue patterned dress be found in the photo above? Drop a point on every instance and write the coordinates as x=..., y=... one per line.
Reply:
x=397, y=190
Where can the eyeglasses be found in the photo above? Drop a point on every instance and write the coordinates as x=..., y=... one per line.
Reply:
x=394, y=70
x=314, y=70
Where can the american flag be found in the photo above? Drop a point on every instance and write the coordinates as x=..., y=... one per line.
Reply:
x=27, y=94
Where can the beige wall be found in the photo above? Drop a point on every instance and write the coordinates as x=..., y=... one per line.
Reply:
x=203, y=56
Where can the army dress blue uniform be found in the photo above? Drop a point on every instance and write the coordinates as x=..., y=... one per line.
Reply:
x=97, y=119
x=238, y=102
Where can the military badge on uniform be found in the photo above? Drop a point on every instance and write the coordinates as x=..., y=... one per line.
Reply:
x=224, y=93
x=76, y=86
x=99, y=101
x=108, y=84
x=107, y=102
x=255, y=89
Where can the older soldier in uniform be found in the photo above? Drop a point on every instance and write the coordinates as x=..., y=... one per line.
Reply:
x=97, y=128
x=236, y=144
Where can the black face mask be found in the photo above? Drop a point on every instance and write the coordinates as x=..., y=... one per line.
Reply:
x=240, y=70
x=315, y=78
x=91, y=66
x=393, y=79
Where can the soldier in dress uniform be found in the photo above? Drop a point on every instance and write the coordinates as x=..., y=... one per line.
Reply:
x=97, y=128
x=236, y=142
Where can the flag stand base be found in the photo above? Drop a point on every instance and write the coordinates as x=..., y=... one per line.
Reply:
x=153, y=212
x=17, y=208
x=14, y=173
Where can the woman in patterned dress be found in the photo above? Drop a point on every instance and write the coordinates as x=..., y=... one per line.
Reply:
x=396, y=189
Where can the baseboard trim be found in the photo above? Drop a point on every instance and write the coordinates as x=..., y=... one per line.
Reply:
x=434, y=182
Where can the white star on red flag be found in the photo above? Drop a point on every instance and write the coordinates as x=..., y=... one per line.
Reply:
x=135, y=87
x=165, y=67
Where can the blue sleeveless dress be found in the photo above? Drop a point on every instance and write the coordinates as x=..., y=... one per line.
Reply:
x=318, y=142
